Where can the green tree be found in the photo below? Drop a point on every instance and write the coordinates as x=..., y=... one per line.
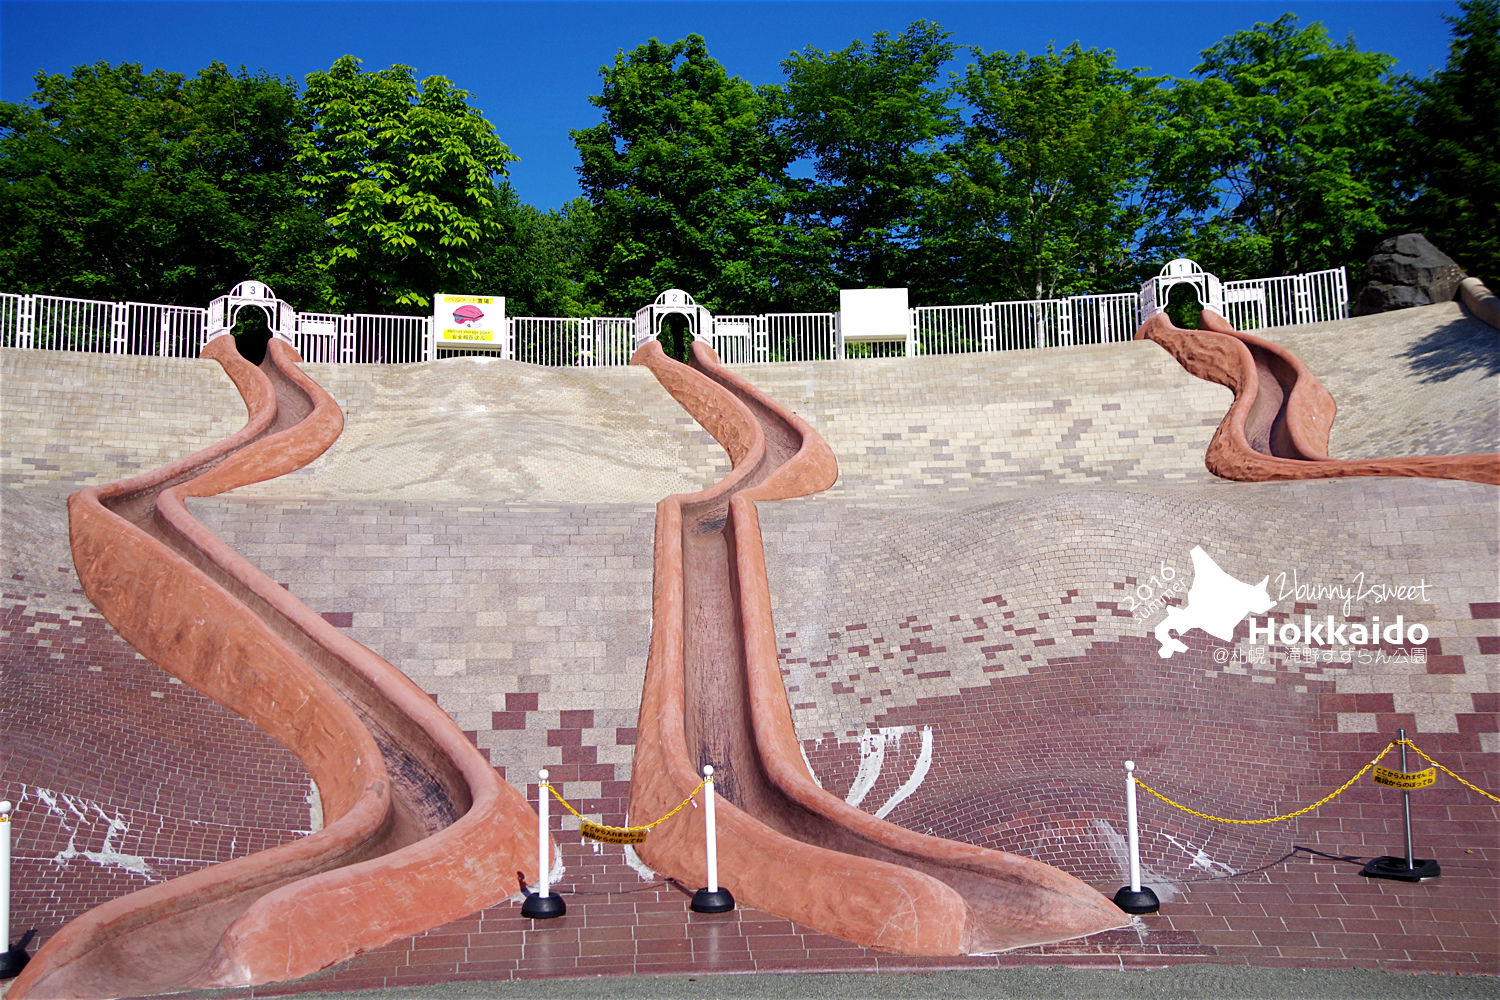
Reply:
x=1452, y=153
x=869, y=118
x=121, y=184
x=1281, y=151
x=404, y=174
x=687, y=181
x=540, y=260
x=1048, y=189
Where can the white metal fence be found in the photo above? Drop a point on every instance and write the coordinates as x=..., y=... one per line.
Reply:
x=49, y=322
x=1263, y=303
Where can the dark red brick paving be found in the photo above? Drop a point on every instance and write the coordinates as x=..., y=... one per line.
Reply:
x=1028, y=763
x=1297, y=901
x=110, y=739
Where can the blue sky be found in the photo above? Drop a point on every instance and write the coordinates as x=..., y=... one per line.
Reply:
x=531, y=67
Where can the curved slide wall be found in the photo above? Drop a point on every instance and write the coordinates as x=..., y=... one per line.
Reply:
x=1278, y=426
x=714, y=694
x=420, y=829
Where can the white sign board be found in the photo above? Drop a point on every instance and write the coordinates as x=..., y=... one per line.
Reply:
x=867, y=314
x=469, y=321
x=318, y=328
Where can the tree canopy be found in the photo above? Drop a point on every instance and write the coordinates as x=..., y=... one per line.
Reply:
x=1047, y=191
x=1282, y=150
x=1453, y=146
x=686, y=179
x=118, y=183
x=906, y=159
x=403, y=174
x=869, y=118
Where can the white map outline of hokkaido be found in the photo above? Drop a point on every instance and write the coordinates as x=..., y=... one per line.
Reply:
x=1216, y=603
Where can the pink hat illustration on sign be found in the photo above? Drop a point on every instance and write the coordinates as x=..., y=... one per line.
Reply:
x=467, y=314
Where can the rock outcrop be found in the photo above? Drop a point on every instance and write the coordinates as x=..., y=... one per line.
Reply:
x=1407, y=271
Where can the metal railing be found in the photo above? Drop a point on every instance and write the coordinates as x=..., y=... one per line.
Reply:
x=1263, y=303
x=801, y=337
x=50, y=322
x=954, y=329
x=740, y=339
x=540, y=340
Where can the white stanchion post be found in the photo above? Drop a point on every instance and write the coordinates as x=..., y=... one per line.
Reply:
x=1133, y=827
x=1133, y=898
x=712, y=839
x=5, y=808
x=13, y=958
x=543, y=904
x=714, y=898
x=543, y=829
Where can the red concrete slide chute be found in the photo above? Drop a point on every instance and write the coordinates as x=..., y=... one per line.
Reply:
x=419, y=828
x=714, y=695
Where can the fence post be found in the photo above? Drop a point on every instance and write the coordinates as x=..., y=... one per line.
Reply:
x=542, y=905
x=1134, y=898
x=1302, y=297
x=714, y=898
x=12, y=959
x=346, y=339
x=26, y=322
x=119, y=319
x=1065, y=323
x=585, y=353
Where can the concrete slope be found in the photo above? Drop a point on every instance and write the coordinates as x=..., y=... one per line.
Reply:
x=714, y=694
x=1422, y=381
x=420, y=828
x=1279, y=424
x=945, y=425
x=491, y=430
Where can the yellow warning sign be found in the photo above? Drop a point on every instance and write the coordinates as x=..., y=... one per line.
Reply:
x=612, y=834
x=1403, y=779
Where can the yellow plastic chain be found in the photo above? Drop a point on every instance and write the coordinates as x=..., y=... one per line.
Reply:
x=1449, y=773
x=1276, y=819
x=629, y=829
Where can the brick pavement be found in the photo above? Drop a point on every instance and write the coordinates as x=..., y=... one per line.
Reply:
x=965, y=589
x=1422, y=381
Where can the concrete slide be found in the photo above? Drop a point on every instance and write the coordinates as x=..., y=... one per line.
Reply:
x=419, y=827
x=714, y=694
x=1277, y=428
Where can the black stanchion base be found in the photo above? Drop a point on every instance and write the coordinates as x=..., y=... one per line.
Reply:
x=1395, y=868
x=546, y=907
x=12, y=961
x=718, y=901
x=1131, y=901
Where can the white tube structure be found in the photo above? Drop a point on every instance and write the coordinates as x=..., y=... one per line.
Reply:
x=1133, y=834
x=542, y=868
x=5, y=876
x=5, y=808
x=712, y=838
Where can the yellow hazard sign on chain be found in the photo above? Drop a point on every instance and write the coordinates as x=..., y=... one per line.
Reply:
x=612, y=834
x=621, y=834
x=1403, y=779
